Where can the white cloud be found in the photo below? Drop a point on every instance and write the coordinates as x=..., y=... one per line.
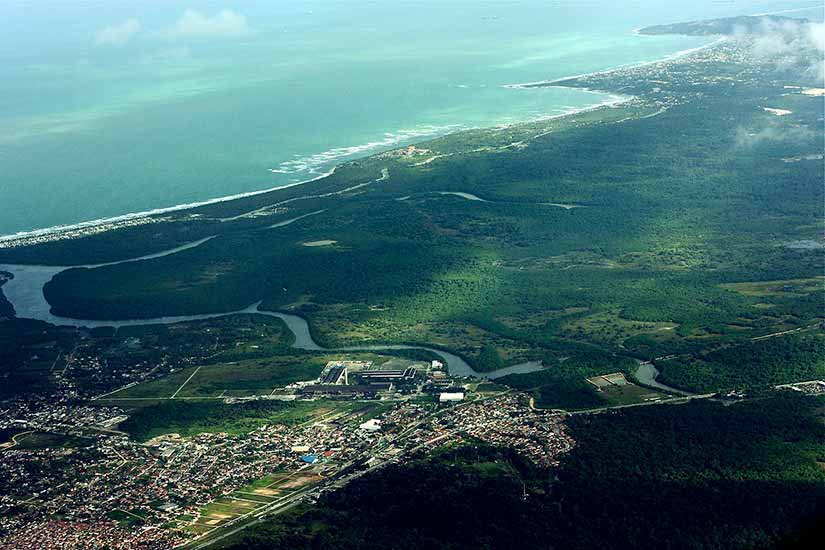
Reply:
x=791, y=44
x=772, y=133
x=195, y=25
x=118, y=35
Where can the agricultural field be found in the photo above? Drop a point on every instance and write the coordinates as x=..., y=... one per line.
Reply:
x=247, y=500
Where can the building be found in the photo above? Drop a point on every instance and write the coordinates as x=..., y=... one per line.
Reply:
x=391, y=375
x=372, y=425
x=445, y=397
x=350, y=390
x=336, y=375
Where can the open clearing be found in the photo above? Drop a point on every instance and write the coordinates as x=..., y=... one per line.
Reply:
x=787, y=287
x=616, y=389
x=247, y=499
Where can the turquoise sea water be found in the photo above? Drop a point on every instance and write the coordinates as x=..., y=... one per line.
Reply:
x=165, y=108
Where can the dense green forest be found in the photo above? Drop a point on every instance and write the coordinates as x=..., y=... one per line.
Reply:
x=562, y=384
x=605, y=231
x=701, y=475
x=761, y=364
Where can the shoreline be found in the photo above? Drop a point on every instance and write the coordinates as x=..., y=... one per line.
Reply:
x=59, y=229
x=40, y=236
x=673, y=57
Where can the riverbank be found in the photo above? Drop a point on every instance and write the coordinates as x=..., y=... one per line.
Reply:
x=25, y=292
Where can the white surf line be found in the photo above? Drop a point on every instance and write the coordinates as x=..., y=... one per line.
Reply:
x=191, y=376
x=672, y=57
x=59, y=229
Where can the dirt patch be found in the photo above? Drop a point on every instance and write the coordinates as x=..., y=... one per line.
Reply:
x=301, y=481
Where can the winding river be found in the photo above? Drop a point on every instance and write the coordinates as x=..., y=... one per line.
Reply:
x=25, y=292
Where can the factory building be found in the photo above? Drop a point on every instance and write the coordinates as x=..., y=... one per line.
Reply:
x=336, y=375
x=341, y=390
x=393, y=375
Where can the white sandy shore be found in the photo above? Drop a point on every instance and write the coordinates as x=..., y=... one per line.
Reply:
x=147, y=213
x=672, y=57
x=41, y=235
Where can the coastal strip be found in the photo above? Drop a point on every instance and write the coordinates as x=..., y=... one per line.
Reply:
x=101, y=225
x=59, y=232
x=672, y=57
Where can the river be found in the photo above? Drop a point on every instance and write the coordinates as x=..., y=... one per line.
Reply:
x=647, y=374
x=25, y=292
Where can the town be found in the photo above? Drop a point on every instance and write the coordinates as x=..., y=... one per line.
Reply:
x=73, y=479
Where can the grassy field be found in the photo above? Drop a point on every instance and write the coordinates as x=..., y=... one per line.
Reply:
x=193, y=417
x=629, y=394
x=190, y=417
x=788, y=288
x=42, y=440
x=242, y=378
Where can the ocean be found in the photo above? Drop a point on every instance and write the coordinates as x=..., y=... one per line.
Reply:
x=109, y=108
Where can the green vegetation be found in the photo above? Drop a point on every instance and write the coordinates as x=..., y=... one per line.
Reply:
x=760, y=364
x=250, y=377
x=563, y=384
x=28, y=351
x=231, y=379
x=243, y=377
x=629, y=394
x=488, y=359
x=193, y=417
x=44, y=440
x=700, y=475
x=32, y=353
x=664, y=226
x=490, y=387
